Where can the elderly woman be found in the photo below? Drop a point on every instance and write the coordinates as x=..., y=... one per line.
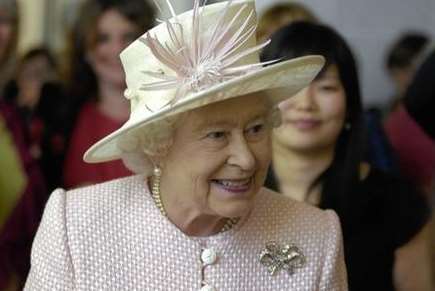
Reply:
x=197, y=218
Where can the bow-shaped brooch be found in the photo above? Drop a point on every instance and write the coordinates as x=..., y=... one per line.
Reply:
x=276, y=257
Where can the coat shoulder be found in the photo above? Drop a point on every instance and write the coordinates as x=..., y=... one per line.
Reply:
x=289, y=209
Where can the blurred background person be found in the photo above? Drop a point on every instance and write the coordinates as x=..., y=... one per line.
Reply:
x=96, y=82
x=318, y=158
x=22, y=188
x=419, y=103
x=419, y=99
x=8, y=40
x=22, y=198
x=280, y=15
x=413, y=145
x=39, y=95
x=402, y=60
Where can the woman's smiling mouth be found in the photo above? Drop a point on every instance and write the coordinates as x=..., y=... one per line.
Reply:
x=235, y=186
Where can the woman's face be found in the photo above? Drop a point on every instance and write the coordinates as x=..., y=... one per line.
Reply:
x=31, y=77
x=313, y=119
x=5, y=32
x=219, y=157
x=114, y=34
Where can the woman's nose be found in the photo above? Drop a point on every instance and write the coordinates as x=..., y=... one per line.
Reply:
x=241, y=154
x=303, y=100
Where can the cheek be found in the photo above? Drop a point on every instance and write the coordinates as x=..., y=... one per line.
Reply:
x=284, y=105
x=285, y=134
x=263, y=153
x=333, y=108
x=334, y=116
x=5, y=32
x=100, y=53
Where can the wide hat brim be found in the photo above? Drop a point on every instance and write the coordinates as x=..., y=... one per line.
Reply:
x=280, y=81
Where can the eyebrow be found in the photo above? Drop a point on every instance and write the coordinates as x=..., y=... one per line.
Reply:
x=328, y=76
x=223, y=123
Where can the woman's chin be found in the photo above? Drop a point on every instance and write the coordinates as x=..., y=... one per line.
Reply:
x=235, y=209
x=234, y=201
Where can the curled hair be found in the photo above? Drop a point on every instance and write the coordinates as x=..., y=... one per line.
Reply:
x=142, y=146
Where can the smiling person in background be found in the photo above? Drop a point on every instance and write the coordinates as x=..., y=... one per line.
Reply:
x=96, y=82
x=197, y=216
x=317, y=158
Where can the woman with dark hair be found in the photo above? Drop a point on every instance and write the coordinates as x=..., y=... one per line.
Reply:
x=318, y=158
x=402, y=61
x=96, y=81
x=414, y=118
x=38, y=95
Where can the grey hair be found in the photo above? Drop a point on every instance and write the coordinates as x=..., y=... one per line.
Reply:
x=142, y=146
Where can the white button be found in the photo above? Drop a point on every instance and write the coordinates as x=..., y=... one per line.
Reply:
x=208, y=256
x=207, y=288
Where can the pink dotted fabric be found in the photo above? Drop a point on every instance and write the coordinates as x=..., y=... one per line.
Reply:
x=112, y=237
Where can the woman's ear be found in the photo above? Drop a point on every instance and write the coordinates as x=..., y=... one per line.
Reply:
x=158, y=161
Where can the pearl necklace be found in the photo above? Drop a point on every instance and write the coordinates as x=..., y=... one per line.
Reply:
x=155, y=194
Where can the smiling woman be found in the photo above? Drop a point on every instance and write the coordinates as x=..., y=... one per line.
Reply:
x=317, y=158
x=196, y=217
x=96, y=82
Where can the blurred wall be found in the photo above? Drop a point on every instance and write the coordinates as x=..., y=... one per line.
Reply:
x=32, y=13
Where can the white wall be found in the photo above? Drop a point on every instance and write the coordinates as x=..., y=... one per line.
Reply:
x=31, y=24
x=370, y=26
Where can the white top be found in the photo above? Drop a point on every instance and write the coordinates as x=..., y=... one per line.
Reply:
x=111, y=236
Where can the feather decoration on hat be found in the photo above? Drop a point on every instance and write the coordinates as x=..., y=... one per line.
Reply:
x=202, y=59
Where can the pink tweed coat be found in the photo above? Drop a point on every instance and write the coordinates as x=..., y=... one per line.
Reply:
x=111, y=236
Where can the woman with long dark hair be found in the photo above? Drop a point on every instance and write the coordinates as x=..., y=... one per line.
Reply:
x=96, y=81
x=318, y=158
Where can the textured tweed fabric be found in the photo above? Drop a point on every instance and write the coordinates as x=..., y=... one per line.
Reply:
x=112, y=237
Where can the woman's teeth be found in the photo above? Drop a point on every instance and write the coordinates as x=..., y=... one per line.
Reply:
x=234, y=185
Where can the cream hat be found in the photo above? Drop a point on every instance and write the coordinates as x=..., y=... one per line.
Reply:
x=205, y=55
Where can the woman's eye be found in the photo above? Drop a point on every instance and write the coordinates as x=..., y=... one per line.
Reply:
x=255, y=129
x=102, y=38
x=328, y=88
x=216, y=135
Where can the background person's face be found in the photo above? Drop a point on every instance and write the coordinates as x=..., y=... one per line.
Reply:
x=219, y=158
x=5, y=33
x=114, y=34
x=31, y=77
x=314, y=118
x=401, y=78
